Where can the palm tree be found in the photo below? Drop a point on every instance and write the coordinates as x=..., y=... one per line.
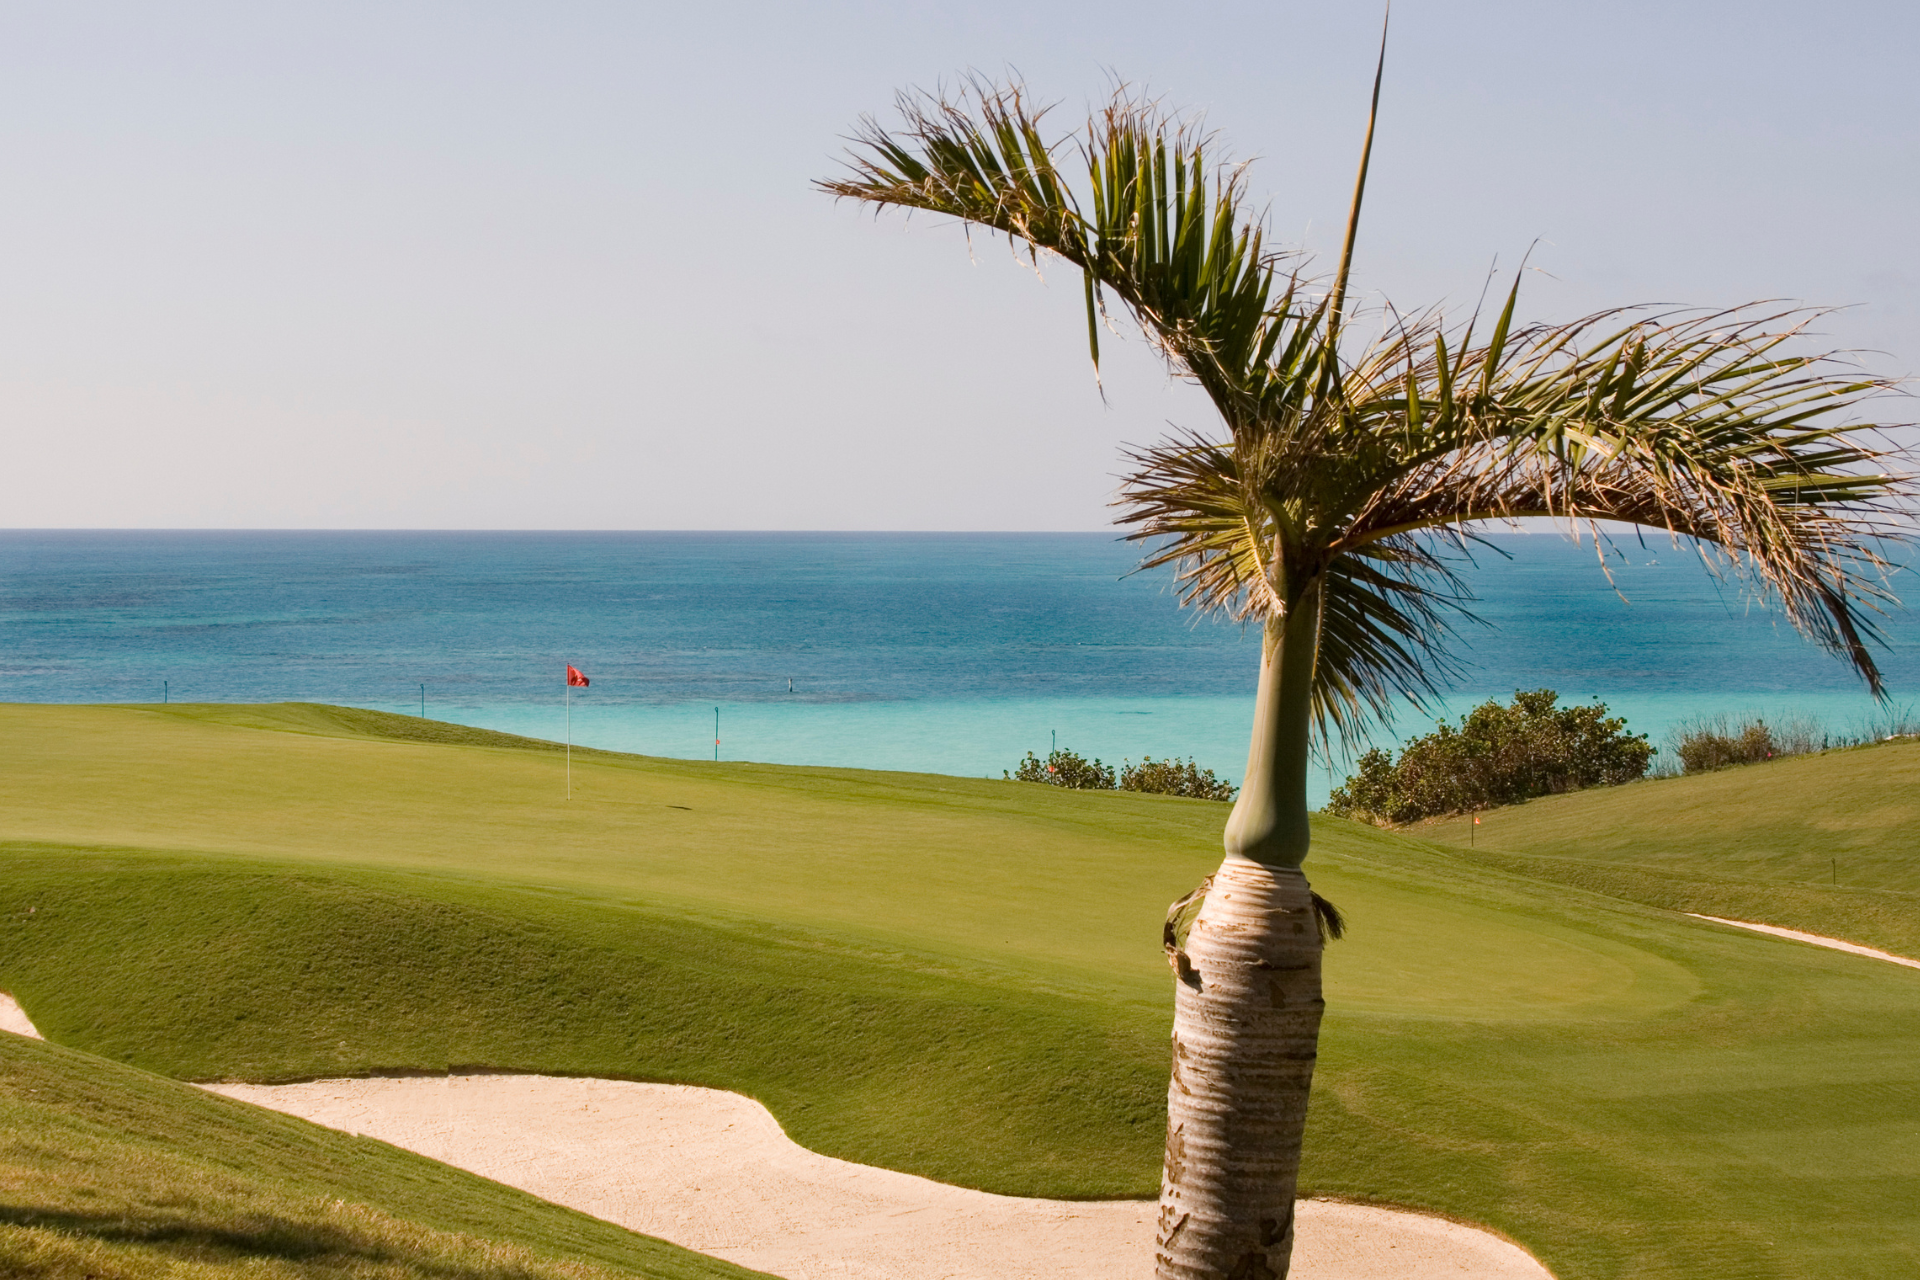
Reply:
x=1331, y=506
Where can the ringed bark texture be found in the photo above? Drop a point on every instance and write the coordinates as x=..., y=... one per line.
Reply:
x=1245, y=1029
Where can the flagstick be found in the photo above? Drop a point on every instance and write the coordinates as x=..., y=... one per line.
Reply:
x=569, y=736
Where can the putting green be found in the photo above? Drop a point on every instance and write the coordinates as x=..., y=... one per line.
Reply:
x=1015, y=877
x=808, y=848
x=1416, y=956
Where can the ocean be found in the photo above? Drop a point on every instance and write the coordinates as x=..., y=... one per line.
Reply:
x=949, y=653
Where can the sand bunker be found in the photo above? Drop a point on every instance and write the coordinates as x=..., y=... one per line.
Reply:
x=13, y=1018
x=1814, y=938
x=713, y=1171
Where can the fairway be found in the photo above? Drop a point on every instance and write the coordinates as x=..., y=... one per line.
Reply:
x=954, y=977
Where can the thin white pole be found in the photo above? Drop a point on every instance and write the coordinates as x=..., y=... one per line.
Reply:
x=569, y=739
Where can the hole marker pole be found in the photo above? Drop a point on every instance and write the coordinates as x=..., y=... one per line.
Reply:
x=716, y=735
x=569, y=696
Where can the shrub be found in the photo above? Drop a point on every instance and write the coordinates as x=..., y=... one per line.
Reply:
x=1175, y=778
x=1702, y=748
x=1499, y=755
x=1162, y=777
x=1064, y=769
x=1706, y=743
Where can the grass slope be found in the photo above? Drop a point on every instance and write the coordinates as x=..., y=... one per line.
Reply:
x=205, y=969
x=1828, y=843
x=111, y=1173
x=954, y=977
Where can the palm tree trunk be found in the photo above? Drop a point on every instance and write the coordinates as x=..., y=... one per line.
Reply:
x=1247, y=1004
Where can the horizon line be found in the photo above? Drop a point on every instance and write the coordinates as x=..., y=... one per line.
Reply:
x=1118, y=535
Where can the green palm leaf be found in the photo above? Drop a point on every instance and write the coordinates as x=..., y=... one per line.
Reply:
x=1341, y=467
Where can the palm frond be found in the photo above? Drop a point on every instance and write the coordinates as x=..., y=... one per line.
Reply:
x=1386, y=625
x=1152, y=221
x=1351, y=472
x=1704, y=425
x=1388, y=609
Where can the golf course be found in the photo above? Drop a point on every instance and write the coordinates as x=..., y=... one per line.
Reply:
x=950, y=977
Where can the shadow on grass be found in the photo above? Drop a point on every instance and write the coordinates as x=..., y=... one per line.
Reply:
x=368, y=1240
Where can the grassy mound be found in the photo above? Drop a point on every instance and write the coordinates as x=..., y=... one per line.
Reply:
x=212, y=970
x=112, y=1173
x=949, y=976
x=1829, y=843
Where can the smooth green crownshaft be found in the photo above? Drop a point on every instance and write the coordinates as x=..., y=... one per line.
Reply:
x=1269, y=820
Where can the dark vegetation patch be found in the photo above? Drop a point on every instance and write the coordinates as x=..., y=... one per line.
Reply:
x=1498, y=755
x=1706, y=743
x=1173, y=777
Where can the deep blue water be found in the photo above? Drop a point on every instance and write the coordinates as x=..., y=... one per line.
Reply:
x=946, y=652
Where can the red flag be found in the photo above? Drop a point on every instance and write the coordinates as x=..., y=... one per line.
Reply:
x=575, y=678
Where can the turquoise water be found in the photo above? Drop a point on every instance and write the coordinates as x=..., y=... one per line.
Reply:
x=951, y=653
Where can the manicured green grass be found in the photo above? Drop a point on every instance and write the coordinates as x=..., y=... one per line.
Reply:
x=212, y=969
x=111, y=1173
x=960, y=978
x=1828, y=843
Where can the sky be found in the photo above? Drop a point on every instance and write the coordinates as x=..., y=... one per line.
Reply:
x=559, y=266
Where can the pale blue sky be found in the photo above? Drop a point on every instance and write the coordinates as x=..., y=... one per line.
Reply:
x=558, y=266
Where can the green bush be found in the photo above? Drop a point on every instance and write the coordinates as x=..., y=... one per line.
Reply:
x=1701, y=744
x=1064, y=769
x=1499, y=755
x=1162, y=777
x=1702, y=750
x=1175, y=778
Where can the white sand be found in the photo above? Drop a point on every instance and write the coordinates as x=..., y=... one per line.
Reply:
x=13, y=1018
x=713, y=1171
x=1814, y=938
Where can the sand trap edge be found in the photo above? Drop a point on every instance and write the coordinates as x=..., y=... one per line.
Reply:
x=730, y=1201
x=1818, y=940
x=13, y=1018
